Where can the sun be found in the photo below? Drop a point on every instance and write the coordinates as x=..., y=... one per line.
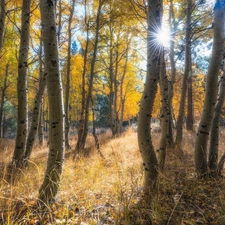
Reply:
x=163, y=37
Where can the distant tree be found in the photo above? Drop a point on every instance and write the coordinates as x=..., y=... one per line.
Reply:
x=49, y=187
x=146, y=105
x=3, y=99
x=210, y=92
x=84, y=127
x=187, y=74
x=36, y=113
x=68, y=76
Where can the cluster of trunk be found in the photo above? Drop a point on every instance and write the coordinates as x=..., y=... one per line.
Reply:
x=210, y=97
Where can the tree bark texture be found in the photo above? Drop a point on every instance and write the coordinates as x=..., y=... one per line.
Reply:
x=190, y=112
x=210, y=92
x=68, y=72
x=187, y=71
x=2, y=22
x=49, y=187
x=173, y=73
x=165, y=112
x=144, y=119
x=214, y=132
x=22, y=111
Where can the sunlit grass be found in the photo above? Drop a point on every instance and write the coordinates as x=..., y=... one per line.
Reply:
x=109, y=191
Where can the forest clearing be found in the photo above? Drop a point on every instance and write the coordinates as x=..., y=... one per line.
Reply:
x=98, y=191
x=112, y=112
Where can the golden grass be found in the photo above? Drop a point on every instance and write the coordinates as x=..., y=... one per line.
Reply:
x=109, y=191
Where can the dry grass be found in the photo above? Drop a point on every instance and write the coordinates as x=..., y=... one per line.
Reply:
x=100, y=191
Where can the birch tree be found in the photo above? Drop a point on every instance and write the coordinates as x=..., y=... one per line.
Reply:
x=22, y=111
x=186, y=75
x=210, y=92
x=146, y=105
x=49, y=187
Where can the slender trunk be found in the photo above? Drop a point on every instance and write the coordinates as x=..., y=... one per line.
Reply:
x=92, y=73
x=146, y=105
x=3, y=100
x=35, y=119
x=173, y=73
x=2, y=22
x=94, y=131
x=190, y=116
x=210, y=92
x=22, y=117
x=67, y=122
x=165, y=112
x=36, y=109
x=214, y=132
x=186, y=75
x=49, y=187
x=122, y=94
x=83, y=94
x=41, y=126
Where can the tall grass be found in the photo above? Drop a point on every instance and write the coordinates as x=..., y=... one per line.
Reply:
x=109, y=191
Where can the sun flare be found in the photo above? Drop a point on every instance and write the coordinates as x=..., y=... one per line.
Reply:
x=163, y=37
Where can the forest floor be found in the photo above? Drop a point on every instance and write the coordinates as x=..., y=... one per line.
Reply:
x=96, y=191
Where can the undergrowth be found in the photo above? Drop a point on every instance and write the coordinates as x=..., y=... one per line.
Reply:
x=96, y=191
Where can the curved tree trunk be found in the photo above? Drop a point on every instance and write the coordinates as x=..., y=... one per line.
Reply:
x=49, y=187
x=144, y=120
x=22, y=117
x=214, y=132
x=210, y=93
x=186, y=75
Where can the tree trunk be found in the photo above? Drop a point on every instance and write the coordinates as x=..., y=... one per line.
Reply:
x=92, y=73
x=186, y=75
x=94, y=131
x=122, y=94
x=36, y=109
x=49, y=187
x=190, y=116
x=3, y=100
x=146, y=105
x=210, y=92
x=41, y=126
x=35, y=119
x=173, y=74
x=165, y=112
x=83, y=94
x=22, y=116
x=2, y=22
x=214, y=132
x=67, y=122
